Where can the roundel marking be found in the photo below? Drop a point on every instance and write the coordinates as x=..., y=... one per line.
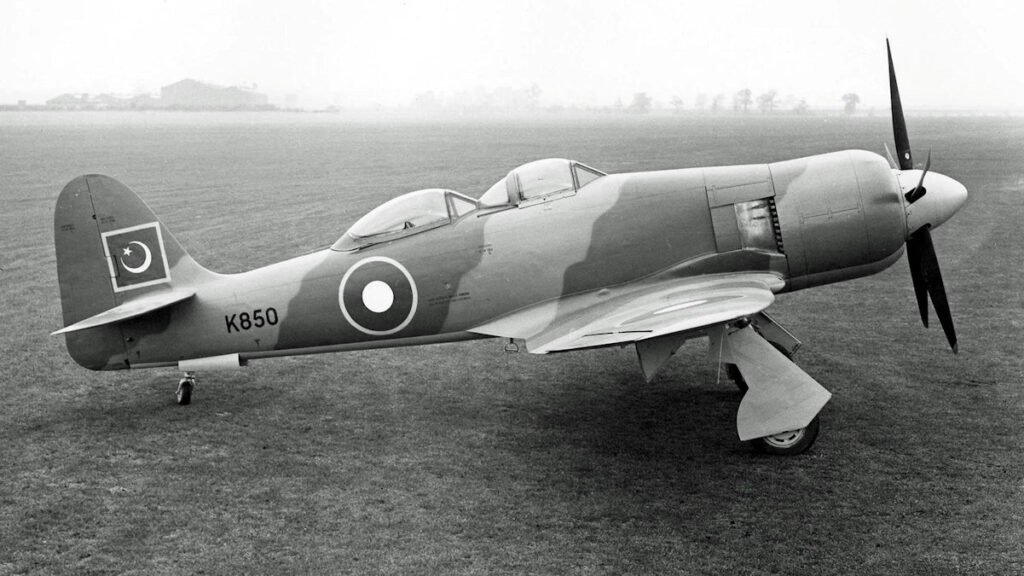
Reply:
x=378, y=296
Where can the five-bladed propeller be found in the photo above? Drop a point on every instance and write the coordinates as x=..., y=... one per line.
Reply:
x=924, y=266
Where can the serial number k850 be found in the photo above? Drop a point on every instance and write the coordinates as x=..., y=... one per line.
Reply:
x=258, y=318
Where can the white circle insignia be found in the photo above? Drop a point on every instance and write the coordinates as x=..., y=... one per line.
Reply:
x=377, y=296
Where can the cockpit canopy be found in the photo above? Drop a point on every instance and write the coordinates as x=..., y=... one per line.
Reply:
x=548, y=178
x=424, y=210
x=405, y=215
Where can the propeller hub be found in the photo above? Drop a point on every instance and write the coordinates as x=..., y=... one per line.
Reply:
x=942, y=197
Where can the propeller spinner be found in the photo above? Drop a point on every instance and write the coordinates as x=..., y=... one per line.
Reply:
x=930, y=200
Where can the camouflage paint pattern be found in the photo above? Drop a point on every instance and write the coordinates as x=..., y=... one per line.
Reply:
x=834, y=217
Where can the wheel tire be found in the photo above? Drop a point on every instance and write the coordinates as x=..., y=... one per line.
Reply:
x=788, y=443
x=184, y=393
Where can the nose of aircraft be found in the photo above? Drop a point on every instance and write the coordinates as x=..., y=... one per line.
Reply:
x=942, y=198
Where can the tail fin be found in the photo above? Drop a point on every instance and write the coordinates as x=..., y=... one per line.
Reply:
x=112, y=253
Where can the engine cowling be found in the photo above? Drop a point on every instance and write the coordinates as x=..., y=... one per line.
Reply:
x=840, y=214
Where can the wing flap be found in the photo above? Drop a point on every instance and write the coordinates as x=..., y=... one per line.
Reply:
x=130, y=309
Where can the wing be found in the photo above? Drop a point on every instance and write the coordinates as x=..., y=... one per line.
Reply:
x=636, y=312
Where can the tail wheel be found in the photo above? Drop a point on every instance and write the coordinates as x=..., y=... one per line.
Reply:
x=789, y=443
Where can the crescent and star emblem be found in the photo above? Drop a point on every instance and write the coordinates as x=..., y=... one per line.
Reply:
x=145, y=263
x=136, y=257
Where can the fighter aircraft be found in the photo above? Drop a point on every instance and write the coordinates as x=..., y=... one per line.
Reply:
x=557, y=254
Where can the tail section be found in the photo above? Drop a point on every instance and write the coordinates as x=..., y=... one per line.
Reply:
x=115, y=260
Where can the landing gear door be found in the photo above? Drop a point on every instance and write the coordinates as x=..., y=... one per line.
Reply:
x=742, y=203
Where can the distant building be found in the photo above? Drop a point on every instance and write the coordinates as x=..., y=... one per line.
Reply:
x=183, y=95
x=194, y=95
x=98, y=102
x=144, y=102
x=108, y=102
x=69, y=102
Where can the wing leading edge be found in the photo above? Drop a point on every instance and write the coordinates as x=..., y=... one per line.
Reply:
x=636, y=312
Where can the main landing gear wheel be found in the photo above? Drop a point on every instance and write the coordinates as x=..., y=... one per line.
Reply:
x=788, y=443
x=185, y=386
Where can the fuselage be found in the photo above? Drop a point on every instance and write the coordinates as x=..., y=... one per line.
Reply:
x=809, y=221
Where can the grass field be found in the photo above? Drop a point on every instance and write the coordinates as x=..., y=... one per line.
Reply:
x=461, y=459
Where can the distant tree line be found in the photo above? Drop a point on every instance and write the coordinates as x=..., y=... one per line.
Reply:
x=744, y=101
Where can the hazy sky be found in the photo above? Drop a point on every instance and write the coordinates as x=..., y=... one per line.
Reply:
x=949, y=54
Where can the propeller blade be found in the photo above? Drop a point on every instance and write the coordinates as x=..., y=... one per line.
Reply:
x=888, y=154
x=928, y=266
x=927, y=165
x=915, y=194
x=924, y=265
x=917, y=274
x=899, y=125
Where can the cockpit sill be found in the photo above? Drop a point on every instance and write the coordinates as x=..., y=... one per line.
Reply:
x=416, y=212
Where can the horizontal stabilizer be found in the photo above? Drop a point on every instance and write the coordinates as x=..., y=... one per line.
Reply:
x=780, y=396
x=130, y=309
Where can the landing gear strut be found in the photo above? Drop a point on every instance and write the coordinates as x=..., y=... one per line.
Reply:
x=185, y=386
x=778, y=414
x=770, y=330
